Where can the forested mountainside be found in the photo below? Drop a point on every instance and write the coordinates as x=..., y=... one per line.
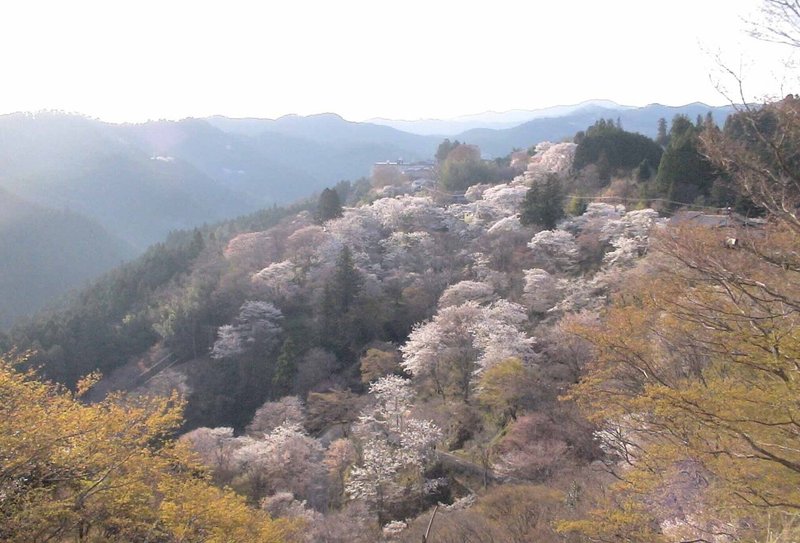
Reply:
x=70, y=162
x=120, y=188
x=139, y=182
x=142, y=181
x=45, y=252
x=597, y=348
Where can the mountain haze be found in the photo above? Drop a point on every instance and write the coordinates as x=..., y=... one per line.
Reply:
x=643, y=120
x=123, y=187
x=45, y=252
x=490, y=119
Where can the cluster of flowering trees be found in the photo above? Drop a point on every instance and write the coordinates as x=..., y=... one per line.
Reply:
x=257, y=323
x=452, y=311
x=446, y=354
x=395, y=447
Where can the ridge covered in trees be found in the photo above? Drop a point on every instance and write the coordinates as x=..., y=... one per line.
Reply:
x=357, y=363
x=589, y=344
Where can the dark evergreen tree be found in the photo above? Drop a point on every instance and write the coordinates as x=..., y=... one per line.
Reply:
x=644, y=171
x=611, y=148
x=285, y=369
x=604, y=169
x=662, y=138
x=444, y=149
x=197, y=244
x=328, y=315
x=684, y=174
x=680, y=126
x=347, y=280
x=328, y=207
x=709, y=122
x=544, y=203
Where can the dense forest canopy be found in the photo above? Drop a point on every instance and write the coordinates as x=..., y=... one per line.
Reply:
x=590, y=340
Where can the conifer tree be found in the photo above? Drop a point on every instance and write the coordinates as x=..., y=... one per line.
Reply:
x=328, y=206
x=684, y=173
x=662, y=138
x=543, y=204
x=285, y=368
x=346, y=280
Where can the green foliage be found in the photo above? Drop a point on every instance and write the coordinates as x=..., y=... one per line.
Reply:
x=347, y=280
x=350, y=193
x=328, y=207
x=684, y=174
x=615, y=148
x=504, y=386
x=285, y=369
x=444, y=149
x=662, y=138
x=577, y=206
x=464, y=168
x=543, y=204
x=129, y=309
x=644, y=171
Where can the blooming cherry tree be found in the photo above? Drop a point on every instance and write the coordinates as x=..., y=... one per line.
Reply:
x=258, y=323
x=396, y=447
x=278, y=281
x=541, y=291
x=465, y=291
x=448, y=352
x=555, y=249
x=286, y=459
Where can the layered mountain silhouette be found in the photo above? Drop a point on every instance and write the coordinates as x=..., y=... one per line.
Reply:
x=90, y=193
x=643, y=120
x=46, y=252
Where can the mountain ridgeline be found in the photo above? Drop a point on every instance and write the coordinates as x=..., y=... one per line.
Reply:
x=45, y=252
x=142, y=181
x=573, y=321
x=105, y=192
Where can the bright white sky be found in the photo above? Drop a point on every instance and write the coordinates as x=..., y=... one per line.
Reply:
x=124, y=60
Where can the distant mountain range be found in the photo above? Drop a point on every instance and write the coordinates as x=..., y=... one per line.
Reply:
x=107, y=191
x=491, y=119
x=497, y=133
x=644, y=120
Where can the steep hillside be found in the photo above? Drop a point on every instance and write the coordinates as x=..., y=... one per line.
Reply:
x=327, y=147
x=381, y=330
x=140, y=182
x=44, y=253
x=70, y=162
x=492, y=355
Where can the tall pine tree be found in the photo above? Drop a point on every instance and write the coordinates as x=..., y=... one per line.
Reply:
x=544, y=203
x=285, y=369
x=328, y=206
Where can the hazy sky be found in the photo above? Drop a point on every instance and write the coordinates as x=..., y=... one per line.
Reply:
x=126, y=60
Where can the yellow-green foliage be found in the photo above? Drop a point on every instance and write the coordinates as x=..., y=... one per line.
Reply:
x=107, y=472
x=697, y=372
x=503, y=386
